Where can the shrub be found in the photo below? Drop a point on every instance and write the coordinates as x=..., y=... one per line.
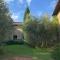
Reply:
x=30, y=33
x=1, y=50
x=56, y=53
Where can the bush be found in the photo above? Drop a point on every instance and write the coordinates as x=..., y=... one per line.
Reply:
x=30, y=33
x=10, y=42
x=56, y=53
x=41, y=32
x=2, y=50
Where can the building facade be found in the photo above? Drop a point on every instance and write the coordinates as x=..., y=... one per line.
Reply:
x=57, y=11
x=17, y=31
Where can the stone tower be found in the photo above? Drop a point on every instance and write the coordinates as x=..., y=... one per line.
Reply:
x=27, y=14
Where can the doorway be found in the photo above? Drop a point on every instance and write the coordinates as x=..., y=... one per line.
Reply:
x=15, y=37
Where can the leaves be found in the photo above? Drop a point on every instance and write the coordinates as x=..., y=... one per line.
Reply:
x=5, y=20
x=41, y=32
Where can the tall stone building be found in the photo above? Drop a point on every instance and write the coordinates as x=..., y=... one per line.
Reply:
x=17, y=31
x=57, y=11
x=27, y=14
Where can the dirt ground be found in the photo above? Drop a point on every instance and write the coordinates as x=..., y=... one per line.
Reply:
x=19, y=58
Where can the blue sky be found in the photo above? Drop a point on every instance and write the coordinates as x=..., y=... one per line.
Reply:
x=37, y=8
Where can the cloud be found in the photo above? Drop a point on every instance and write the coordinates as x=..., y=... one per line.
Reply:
x=15, y=17
x=9, y=1
x=28, y=2
x=21, y=1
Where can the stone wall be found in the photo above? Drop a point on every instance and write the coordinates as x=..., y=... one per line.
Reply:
x=16, y=33
x=58, y=16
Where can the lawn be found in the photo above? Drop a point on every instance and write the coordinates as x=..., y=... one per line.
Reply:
x=24, y=50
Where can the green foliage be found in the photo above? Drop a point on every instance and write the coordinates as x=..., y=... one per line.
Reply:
x=56, y=53
x=2, y=52
x=30, y=30
x=55, y=28
x=5, y=21
x=41, y=32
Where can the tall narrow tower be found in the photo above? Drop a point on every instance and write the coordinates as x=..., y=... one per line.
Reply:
x=27, y=14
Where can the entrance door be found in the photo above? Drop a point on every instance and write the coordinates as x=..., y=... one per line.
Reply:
x=15, y=37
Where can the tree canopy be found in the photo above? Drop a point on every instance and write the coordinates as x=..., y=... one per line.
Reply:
x=5, y=20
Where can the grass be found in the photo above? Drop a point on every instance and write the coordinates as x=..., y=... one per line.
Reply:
x=24, y=50
x=19, y=50
x=40, y=54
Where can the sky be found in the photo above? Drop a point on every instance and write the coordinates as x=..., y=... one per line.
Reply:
x=37, y=8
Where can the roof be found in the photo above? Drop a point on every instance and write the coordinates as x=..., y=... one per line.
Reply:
x=57, y=8
x=27, y=11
